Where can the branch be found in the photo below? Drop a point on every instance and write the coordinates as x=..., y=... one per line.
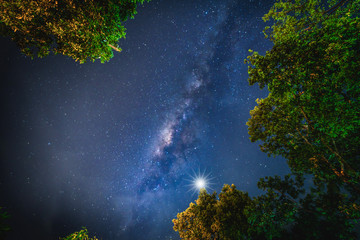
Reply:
x=328, y=12
x=115, y=48
x=293, y=200
x=334, y=8
x=341, y=159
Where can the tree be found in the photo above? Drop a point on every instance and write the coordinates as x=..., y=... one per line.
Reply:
x=209, y=218
x=270, y=213
x=312, y=114
x=80, y=29
x=81, y=235
x=196, y=221
x=286, y=211
x=230, y=220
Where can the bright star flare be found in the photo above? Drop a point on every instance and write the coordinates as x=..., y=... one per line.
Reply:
x=199, y=181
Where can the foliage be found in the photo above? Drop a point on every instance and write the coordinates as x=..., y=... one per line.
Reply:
x=270, y=213
x=312, y=114
x=81, y=29
x=4, y=227
x=285, y=212
x=210, y=218
x=81, y=235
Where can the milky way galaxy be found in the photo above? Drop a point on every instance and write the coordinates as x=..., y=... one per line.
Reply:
x=173, y=151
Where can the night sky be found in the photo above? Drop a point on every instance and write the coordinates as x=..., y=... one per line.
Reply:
x=114, y=146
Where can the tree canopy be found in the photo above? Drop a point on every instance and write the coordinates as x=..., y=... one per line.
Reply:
x=209, y=218
x=289, y=210
x=82, y=29
x=80, y=235
x=312, y=114
x=286, y=211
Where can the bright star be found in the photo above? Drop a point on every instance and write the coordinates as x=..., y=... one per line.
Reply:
x=199, y=181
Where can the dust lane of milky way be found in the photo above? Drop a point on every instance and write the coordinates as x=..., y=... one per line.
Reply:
x=181, y=131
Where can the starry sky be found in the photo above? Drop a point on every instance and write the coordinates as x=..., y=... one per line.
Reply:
x=114, y=146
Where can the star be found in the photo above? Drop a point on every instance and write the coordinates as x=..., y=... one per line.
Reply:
x=200, y=183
